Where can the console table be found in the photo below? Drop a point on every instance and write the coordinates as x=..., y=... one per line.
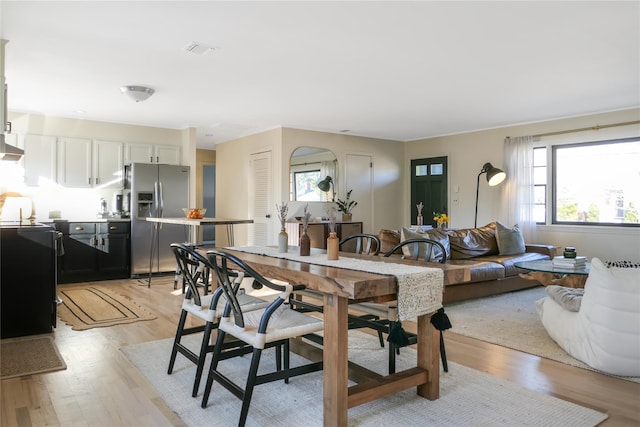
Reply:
x=318, y=232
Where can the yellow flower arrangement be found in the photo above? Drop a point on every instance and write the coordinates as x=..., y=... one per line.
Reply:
x=441, y=218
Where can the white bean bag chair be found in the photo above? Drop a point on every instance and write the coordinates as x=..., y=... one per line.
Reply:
x=604, y=332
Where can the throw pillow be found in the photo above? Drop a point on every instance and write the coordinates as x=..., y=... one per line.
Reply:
x=406, y=234
x=510, y=240
x=622, y=264
x=569, y=298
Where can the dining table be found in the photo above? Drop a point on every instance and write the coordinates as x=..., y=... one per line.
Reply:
x=339, y=287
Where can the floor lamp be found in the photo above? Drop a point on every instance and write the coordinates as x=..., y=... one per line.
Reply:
x=494, y=177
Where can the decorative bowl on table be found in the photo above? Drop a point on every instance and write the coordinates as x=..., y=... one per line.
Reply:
x=194, y=213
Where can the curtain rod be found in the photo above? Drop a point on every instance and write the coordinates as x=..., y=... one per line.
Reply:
x=596, y=127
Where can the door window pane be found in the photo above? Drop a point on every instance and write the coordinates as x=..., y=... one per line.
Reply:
x=437, y=169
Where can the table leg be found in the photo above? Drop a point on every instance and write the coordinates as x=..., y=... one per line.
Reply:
x=429, y=357
x=335, y=361
x=230, y=239
x=154, y=243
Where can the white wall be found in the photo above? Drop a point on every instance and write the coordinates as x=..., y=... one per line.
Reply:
x=468, y=152
x=83, y=203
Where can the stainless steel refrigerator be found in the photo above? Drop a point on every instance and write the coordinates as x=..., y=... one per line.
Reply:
x=156, y=191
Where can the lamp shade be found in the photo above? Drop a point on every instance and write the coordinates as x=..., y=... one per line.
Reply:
x=137, y=93
x=325, y=184
x=494, y=175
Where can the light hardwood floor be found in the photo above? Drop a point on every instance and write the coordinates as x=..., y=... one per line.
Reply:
x=100, y=387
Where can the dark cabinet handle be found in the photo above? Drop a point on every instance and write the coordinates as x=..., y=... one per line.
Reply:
x=267, y=216
x=79, y=228
x=113, y=227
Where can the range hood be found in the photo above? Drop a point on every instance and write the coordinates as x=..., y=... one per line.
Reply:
x=9, y=152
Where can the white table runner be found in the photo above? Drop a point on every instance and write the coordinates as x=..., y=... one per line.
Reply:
x=419, y=288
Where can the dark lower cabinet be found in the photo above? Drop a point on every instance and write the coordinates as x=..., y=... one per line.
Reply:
x=94, y=251
x=27, y=280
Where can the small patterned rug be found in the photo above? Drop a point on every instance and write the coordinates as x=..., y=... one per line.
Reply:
x=93, y=307
x=28, y=356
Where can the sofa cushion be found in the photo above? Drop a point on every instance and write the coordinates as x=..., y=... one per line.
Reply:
x=473, y=242
x=510, y=240
x=508, y=261
x=481, y=270
x=569, y=298
x=433, y=234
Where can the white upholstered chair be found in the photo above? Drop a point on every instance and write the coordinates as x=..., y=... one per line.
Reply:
x=601, y=328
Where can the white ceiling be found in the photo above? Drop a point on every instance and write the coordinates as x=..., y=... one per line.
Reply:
x=393, y=70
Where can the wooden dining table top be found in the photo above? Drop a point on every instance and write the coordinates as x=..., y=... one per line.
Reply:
x=352, y=284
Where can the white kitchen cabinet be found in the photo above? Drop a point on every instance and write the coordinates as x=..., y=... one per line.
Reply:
x=139, y=153
x=108, y=164
x=167, y=154
x=152, y=153
x=75, y=163
x=39, y=159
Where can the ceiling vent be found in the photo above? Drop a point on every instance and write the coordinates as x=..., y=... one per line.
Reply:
x=199, y=48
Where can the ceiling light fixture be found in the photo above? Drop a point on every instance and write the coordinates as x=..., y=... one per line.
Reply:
x=137, y=93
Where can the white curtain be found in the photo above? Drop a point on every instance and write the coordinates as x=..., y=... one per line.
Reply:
x=328, y=168
x=519, y=189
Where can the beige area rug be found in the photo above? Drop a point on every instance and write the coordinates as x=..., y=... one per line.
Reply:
x=93, y=307
x=468, y=397
x=28, y=356
x=511, y=320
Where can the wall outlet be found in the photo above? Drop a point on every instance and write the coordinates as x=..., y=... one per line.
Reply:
x=455, y=201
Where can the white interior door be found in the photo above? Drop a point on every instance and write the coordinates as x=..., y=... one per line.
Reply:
x=359, y=177
x=260, y=199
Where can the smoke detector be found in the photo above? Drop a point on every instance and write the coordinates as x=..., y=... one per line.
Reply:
x=199, y=48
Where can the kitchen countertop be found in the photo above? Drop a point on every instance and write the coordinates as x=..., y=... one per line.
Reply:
x=86, y=219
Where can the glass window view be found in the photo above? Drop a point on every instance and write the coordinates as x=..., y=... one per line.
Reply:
x=540, y=184
x=597, y=183
x=305, y=186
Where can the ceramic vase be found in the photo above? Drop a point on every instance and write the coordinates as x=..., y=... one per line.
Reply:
x=283, y=241
x=305, y=244
x=332, y=246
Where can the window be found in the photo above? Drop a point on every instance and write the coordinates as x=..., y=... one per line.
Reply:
x=597, y=183
x=540, y=184
x=305, y=186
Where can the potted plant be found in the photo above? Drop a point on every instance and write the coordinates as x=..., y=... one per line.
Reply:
x=345, y=206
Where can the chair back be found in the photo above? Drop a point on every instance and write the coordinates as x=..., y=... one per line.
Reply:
x=368, y=244
x=191, y=268
x=421, y=248
x=220, y=262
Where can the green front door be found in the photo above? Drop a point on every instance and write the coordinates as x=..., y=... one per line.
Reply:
x=429, y=186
